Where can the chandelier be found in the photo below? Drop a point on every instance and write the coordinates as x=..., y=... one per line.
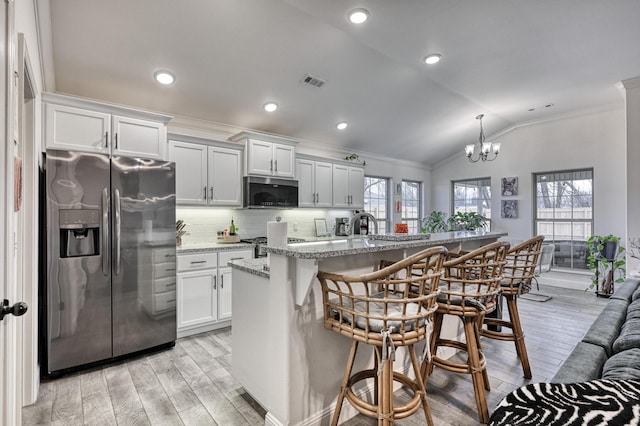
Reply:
x=486, y=148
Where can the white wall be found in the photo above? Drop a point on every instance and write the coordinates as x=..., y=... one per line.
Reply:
x=594, y=140
x=632, y=87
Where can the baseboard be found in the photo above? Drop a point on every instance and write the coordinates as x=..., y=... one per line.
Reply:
x=184, y=332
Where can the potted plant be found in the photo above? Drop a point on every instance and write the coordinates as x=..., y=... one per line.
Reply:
x=435, y=222
x=605, y=258
x=469, y=221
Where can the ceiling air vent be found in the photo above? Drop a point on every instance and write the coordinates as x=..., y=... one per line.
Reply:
x=313, y=81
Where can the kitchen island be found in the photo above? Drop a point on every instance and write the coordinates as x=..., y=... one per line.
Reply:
x=282, y=354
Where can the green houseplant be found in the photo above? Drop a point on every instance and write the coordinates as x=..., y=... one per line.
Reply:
x=469, y=221
x=437, y=221
x=606, y=259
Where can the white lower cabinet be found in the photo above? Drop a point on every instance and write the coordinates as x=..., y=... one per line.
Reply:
x=204, y=287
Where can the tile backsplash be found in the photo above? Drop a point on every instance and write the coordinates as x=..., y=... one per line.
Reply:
x=203, y=223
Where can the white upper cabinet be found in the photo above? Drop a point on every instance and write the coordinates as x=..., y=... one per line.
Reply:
x=139, y=138
x=314, y=183
x=206, y=175
x=356, y=187
x=73, y=128
x=87, y=125
x=191, y=172
x=283, y=160
x=270, y=159
x=225, y=176
x=267, y=155
x=348, y=186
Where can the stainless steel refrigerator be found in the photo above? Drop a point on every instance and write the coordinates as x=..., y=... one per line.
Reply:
x=109, y=287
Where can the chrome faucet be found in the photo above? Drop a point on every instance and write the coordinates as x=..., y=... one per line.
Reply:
x=371, y=218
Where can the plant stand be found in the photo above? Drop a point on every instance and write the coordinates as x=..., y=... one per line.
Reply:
x=606, y=287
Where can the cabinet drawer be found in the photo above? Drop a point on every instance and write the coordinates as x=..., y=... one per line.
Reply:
x=162, y=270
x=164, y=284
x=164, y=255
x=165, y=301
x=225, y=256
x=189, y=262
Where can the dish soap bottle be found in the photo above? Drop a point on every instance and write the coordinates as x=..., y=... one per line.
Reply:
x=232, y=228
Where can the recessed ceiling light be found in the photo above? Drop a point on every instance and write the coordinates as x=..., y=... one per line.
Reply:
x=341, y=125
x=270, y=106
x=358, y=16
x=434, y=58
x=164, y=77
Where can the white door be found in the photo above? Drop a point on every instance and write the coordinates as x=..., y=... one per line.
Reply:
x=191, y=172
x=356, y=187
x=306, y=189
x=224, y=293
x=197, y=298
x=283, y=161
x=10, y=343
x=324, y=184
x=340, y=185
x=260, y=158
x=224, y=177
x=138, y=138
x=77, y=129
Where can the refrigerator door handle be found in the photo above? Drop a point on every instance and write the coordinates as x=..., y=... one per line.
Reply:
x=116, y=231
x=105, y=231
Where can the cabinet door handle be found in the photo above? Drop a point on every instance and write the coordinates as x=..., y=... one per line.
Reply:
x=317, y=197
x=171, y=300
x=204, y=197
x=169, y=255
x=116, y=141
x=271, y=166
x=276, y=166
x=171, y=285
x=222, y=281
x=170, y=269
x=211, y=193
x=236, y=258
x=215, y=287
x=194, y=262
x=106, y=139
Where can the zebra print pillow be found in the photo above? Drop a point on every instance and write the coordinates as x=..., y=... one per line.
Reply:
x=597, y=402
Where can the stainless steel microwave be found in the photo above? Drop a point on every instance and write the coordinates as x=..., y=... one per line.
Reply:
x=270, y=193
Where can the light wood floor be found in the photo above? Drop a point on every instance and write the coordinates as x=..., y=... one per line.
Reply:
x=191, y=384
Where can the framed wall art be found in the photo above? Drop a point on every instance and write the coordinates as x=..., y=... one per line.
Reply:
x=509, y=187
x=509, y=209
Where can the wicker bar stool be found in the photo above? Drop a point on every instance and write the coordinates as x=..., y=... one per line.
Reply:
x=468, y=290
x=518, y=272
x=388, y=308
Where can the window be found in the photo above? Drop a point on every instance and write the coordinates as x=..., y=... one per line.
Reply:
x=564, y=214
x=376, y=200
x=473, y=195
x=411, y=206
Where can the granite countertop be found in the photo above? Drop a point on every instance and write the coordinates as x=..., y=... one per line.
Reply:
x=213, y=246
x=355, y=245
x=259, y=267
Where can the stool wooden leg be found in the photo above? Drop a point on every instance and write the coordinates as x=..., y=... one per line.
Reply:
x=427, y=365
x=345, y=380
x=470, y=331
x=421, y=386
x=385, y=391
x=521, y=349
x=485, y=375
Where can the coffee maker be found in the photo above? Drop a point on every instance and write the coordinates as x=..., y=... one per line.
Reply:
x=342, y=225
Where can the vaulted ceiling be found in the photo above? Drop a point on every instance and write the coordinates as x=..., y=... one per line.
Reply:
x=499, y=58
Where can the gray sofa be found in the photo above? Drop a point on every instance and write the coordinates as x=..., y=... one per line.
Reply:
x=611, y=347
x=599, y=383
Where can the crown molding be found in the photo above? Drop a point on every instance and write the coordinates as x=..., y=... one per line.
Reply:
x=631, y=83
